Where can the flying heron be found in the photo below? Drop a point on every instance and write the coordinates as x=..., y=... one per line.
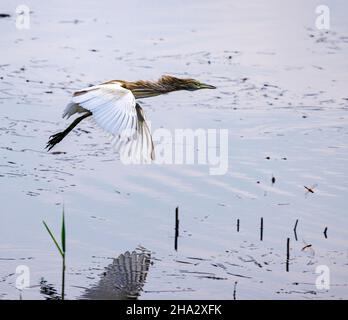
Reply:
x=112, y=106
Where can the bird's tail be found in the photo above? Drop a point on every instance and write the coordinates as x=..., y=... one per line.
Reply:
x=70, y=109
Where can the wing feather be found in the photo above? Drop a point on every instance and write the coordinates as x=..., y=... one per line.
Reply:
x=114, y=110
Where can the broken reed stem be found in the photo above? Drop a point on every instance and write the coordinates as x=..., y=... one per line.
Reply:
x=176, y=228
x=261, y=230
x=287, y=254
x=295, y=229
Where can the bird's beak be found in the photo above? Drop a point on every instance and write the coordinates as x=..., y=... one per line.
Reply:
x=206, y=86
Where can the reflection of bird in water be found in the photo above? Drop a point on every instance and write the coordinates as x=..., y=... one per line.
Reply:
x=112, y=106
x=123, y=279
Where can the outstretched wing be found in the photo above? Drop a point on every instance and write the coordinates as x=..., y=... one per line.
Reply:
x=114, y=109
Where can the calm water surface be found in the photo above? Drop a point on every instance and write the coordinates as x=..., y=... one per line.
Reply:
x=282, y=94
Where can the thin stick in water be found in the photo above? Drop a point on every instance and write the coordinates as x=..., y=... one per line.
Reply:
x=235, y=291
x=287, y=254
x=176, y=228
x=261, y=230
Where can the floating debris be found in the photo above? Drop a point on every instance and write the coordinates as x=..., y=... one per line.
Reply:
x=306, y=247
x=310, y=189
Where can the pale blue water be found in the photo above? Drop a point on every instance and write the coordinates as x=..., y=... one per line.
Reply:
x=298, y=120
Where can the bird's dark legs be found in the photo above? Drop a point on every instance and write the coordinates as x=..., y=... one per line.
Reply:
x=58, y=137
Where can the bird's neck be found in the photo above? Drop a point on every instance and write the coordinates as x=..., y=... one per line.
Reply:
x=146, y=89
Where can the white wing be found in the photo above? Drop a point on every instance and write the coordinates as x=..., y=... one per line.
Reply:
x=114, y=109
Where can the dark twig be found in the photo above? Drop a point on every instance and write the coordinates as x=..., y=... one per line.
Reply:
x=325, y=233
x=261, y=229
x=176, y=228
x=295, y=229
x=235, y=291
x=287, y=254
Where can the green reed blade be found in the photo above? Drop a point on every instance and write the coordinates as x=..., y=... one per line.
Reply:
x=53, y=238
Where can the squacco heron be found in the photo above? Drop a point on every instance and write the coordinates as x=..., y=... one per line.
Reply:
x=112, y=106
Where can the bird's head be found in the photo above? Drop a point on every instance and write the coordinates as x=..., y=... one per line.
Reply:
x=193, y=85
x=184, y=84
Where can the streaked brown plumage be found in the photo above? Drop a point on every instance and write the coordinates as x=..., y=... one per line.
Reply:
x=112, y=105
x=144, y=89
